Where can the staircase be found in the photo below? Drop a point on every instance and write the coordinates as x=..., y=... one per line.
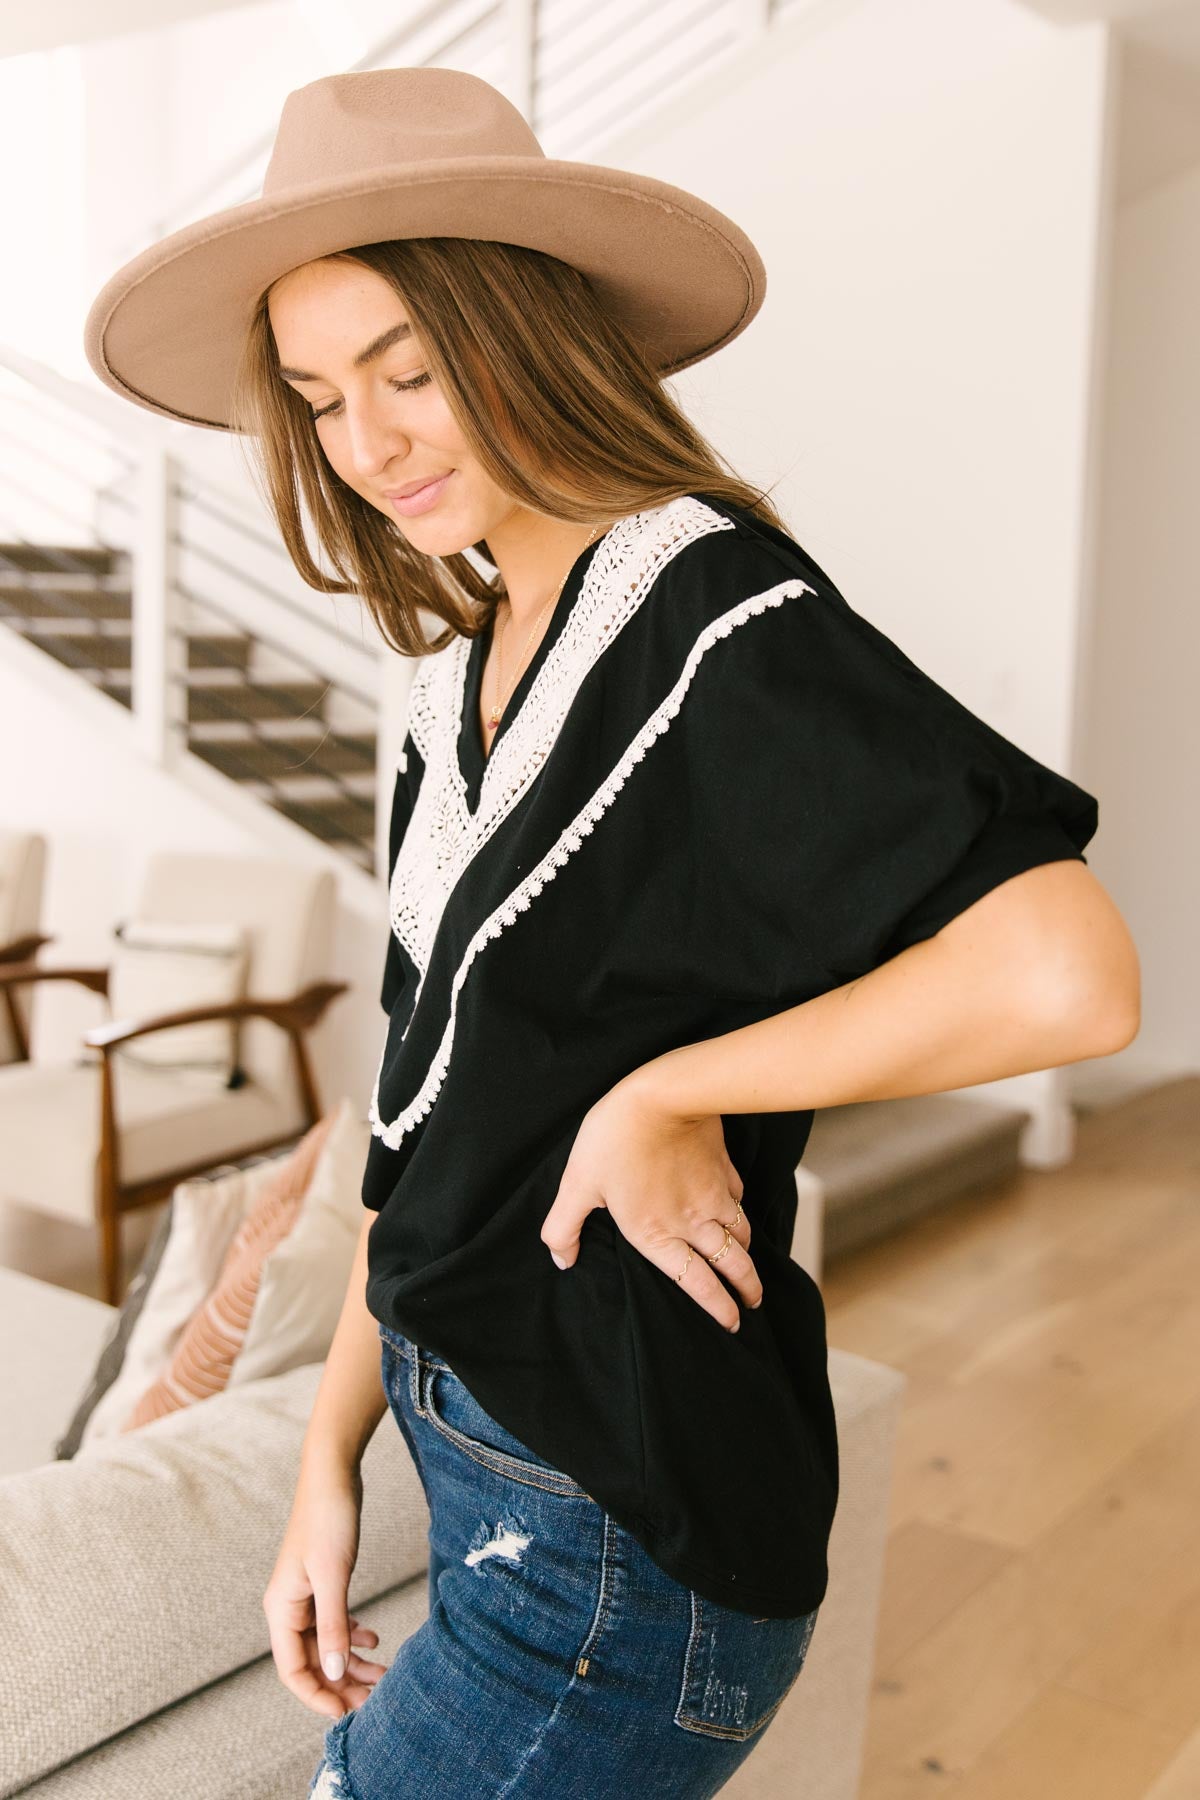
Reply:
x=271, y=735
x=885, y=1163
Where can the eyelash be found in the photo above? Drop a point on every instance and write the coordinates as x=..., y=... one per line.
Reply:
x=330, y=411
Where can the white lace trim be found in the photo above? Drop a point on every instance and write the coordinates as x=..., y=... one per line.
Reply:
x=444, y=836
x=570, y=839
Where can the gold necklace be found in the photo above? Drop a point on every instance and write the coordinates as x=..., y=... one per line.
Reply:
x=498, y=704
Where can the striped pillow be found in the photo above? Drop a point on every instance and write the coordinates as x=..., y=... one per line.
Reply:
x=212, y=1337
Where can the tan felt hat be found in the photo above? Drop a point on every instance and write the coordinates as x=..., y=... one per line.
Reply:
x=377, y=154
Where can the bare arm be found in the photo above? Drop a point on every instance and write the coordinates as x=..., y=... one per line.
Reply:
x=350, y=1399
x=1039, y=972
x=316, y=1640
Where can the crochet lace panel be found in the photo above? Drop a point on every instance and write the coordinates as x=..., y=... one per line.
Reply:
x=443, y=835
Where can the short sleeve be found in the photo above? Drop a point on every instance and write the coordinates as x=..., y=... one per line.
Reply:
x=408, y=780
x=849, y=804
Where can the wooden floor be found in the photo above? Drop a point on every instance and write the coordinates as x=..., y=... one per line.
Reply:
x=1039, y=1634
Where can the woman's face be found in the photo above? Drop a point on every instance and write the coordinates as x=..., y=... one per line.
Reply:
x=382, y=423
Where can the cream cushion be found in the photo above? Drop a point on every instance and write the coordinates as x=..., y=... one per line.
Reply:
x=163, y=966
x=22, y=877
x=144, y=1564
x=303, y=1281
x=50, y=1129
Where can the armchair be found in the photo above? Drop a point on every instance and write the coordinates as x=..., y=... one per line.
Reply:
x=90, y=1141
x=22, y=876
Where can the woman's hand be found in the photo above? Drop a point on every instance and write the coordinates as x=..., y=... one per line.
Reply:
x=670, y=1185
x=305, y=1599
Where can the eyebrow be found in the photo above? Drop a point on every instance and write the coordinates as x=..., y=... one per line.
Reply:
x=375, y=348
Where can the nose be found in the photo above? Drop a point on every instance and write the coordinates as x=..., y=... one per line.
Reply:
x=373, y=441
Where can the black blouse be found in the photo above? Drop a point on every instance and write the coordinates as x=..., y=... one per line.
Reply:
x=715, y=792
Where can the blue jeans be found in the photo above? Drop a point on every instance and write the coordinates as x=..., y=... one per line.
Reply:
x=558, y=1661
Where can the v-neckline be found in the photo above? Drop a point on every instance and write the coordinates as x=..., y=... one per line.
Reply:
x=472, y=759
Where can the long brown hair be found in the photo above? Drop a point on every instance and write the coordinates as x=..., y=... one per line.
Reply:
x=553, y=395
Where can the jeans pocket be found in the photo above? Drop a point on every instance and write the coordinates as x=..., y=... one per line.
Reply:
x=453, y=1411
x=738, y=1670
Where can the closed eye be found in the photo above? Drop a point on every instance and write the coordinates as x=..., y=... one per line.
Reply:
x=335, y=406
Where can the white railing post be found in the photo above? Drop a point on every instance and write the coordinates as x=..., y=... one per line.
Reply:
x=159, y=644
x=521, y=26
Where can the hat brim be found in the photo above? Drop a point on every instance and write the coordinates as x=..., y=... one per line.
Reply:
x=166, y=330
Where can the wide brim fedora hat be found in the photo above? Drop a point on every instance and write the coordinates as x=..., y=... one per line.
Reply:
x=377, y=154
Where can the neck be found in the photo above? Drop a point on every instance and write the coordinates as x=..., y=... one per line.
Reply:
x=534, y=556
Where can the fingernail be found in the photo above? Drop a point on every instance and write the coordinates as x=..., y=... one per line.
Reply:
x=334, y=1665
x=736, y=1325
x=558, y=1260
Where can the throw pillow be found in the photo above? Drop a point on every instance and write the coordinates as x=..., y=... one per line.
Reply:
x=115, y=1346
x=205, y=1212
x=212, y=1337
x=163, y=966
x=302, y=1286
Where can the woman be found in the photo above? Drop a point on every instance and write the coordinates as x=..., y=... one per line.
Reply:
x=681, y=848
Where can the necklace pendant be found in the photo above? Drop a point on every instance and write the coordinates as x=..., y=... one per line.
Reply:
x=493, y=721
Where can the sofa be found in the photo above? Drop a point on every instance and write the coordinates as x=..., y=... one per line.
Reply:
x=137, y=1659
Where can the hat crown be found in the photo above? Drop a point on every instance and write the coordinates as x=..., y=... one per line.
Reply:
x=378, y=119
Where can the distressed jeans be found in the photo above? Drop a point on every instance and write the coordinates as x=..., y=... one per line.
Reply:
x=558, y=1661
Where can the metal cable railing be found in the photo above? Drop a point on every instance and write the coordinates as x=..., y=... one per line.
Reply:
x=213, y=697
x=276, y=794
x=62, y=606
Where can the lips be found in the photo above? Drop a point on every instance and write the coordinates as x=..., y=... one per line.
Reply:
x=414, y=487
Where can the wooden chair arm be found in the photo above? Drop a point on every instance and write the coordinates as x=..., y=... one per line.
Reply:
x=300, y=1013
x=21, y=948
x=17, y=974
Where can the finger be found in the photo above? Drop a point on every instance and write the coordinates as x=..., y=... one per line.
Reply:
x=733, y=1264
x=698, y=1280
x=741, y=1229
x=348, y=1691
x=333, y=1624
x=290, y=1629
x=361, y=1668
x=564, y=1222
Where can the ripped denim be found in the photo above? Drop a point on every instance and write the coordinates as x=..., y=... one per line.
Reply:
x=558, y=1661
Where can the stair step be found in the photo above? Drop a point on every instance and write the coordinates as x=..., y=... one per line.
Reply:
x=115, y=687
x=219, y=649
x=270, y=700
x=99, y=559
x=64, y=599
x=246, y=757
x=327, y=793
x=80, y=644
x=331, y=820
x=82, y=649
x=885, y=1163
x=222, y=700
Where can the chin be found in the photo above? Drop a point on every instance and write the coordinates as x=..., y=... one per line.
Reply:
x=433, y=537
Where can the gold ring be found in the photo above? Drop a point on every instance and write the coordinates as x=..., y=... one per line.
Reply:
x=718, y=1254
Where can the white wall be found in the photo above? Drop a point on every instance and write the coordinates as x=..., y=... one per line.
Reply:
x=921, y=179
x=925, y=181
x=1144, y=723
